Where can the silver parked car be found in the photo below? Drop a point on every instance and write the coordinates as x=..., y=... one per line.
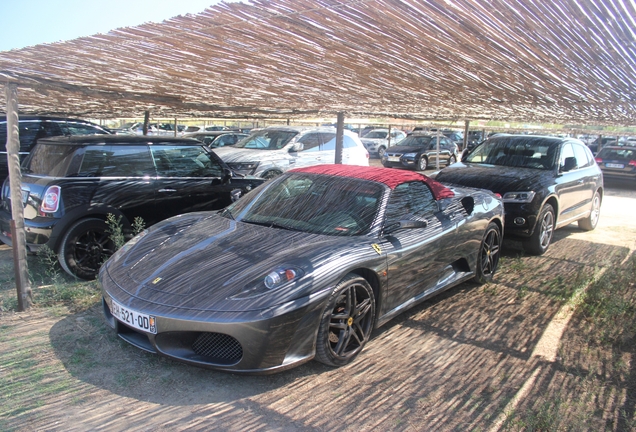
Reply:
x=377, y=141
x=271, y=151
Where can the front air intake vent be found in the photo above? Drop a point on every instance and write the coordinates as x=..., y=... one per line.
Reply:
x=218, y=347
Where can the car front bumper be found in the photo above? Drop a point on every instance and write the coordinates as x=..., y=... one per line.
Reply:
x=252, y=342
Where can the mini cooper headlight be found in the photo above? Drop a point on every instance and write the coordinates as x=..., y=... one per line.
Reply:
x=518, y=197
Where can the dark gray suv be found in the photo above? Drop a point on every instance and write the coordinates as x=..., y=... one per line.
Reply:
x=71, y=184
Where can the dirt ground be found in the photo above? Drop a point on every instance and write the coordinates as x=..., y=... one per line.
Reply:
x=455, y=363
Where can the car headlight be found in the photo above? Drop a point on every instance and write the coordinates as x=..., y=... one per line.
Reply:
x=275, y=279
x=518, y=197
x=409, y=155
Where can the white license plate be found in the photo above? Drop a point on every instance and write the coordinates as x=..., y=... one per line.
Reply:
x=134, y=319
x=394, y=159
x=611, y=165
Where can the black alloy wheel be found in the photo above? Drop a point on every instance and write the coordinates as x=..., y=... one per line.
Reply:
x=347, y=322
x=422, y=163
x=85, y=247
x=540, y=240
x=489, y=252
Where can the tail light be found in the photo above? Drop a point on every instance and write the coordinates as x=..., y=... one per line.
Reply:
x=632, y=163
x=51, y=200
x=598, y=160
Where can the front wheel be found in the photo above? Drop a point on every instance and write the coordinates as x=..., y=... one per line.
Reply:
x=590, y=222
x=540, y=240
x=347, y=322
x=422, y=163
x=452, y=160
x=381, y=151
x=488, y=257
x=85, y=247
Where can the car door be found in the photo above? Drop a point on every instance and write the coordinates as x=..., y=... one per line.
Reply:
x=126, y=179
x=416, y=257
x=575, y=183
x=189, y=178
x=313, y=151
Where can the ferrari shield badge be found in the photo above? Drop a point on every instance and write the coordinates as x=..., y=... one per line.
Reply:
x=376, y=247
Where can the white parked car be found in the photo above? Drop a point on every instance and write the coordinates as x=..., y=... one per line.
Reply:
x=377, y=141
x=271, y=151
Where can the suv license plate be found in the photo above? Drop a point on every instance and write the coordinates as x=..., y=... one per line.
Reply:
x=611, y=165
x=134, y=319
x=393, y=159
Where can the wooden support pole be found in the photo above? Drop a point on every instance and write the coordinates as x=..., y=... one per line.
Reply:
x=146, y=121
x=175, y=127
x=437, y=150
x=18, y=233
x=466, y=126
x=339, y=137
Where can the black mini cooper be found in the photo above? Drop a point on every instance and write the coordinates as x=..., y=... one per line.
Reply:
x=71, y=184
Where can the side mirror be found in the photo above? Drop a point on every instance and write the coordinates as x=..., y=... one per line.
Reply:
x=235, y=194
x=296, y=147
x=569, y=165
x=227, y=175
x=405, y=224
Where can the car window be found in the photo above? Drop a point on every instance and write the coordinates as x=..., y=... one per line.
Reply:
x=115, y=161
x=347, y=142
x=224, y=140
x=516, y=152
x=326, y=205
x=566, y=152
x=54, y=160
x=377, y=135
x=311, y=141
x=416, y=141
x=614, y=154
x=185, y=161
x=410, y=201
x=267, y=139
x=81, y=129
x=581, y=156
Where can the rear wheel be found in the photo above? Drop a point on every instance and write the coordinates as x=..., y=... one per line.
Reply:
x=540, y=240
x=422, y=163
x=589, y=223
x=488, y=258
x=85, y=247
x=346, y=323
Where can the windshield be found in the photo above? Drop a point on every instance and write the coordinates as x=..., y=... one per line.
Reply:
x=267, y=140
x=315, y=204
x=416, y=141
x=515, y=151
x=377, y=135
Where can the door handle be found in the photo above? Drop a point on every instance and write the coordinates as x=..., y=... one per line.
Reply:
x=167, y=190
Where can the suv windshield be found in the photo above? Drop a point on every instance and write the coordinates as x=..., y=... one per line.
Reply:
x=416, y=141
x=267, y=140
x=531, y=152
x=313, y=204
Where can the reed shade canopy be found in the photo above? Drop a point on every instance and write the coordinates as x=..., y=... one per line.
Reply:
x=558, y=61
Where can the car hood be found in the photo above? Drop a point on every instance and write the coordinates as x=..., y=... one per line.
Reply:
x=499, y=179
x=233, y=154
x=204, y=262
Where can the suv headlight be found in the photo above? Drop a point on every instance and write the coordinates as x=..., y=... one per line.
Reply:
x=409, y=155
x=519, y=197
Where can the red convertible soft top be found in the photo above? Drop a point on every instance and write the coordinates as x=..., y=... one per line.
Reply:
x=388, y=176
